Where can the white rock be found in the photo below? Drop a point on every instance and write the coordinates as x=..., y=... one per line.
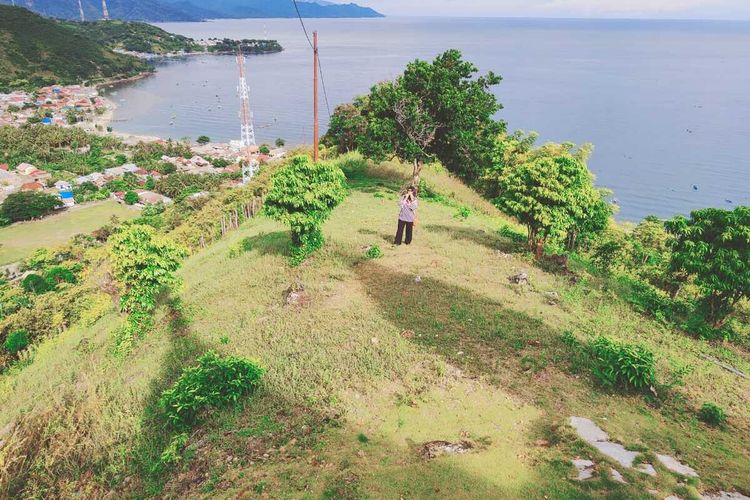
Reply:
x=588, y=430
x=617, y=477
x=676, y=466
x=646, y=469
x=585, y=469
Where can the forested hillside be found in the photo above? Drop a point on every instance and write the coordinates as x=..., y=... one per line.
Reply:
x=37, y=51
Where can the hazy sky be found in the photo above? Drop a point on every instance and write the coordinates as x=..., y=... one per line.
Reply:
x=677, y=9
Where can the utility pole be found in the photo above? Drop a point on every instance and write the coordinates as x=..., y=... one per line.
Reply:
x=316, y=130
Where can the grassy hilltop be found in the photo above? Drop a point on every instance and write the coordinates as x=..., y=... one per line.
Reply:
x=37, y=51
x=371, y=364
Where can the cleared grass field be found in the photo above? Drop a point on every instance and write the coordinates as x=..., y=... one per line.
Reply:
x=19, y=240
x=374, y=363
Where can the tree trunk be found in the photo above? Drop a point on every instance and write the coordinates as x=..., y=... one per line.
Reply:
x=415, y=176
x=539, y=250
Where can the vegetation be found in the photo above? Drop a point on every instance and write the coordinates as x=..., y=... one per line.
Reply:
x=203, y=139
x=433, y=111
x=133, y=37
x=623, y=365
x=713, y=415
x=215, y=382
x=227, y=46
x=303, y=195
x=38, y=51
x=27, y=205
x=16, y=342
x=714, y=247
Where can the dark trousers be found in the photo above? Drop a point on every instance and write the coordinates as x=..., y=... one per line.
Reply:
x=400, y=233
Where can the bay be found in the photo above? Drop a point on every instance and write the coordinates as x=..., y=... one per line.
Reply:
x=665, y=103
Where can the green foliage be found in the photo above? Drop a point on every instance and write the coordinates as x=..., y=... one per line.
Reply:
x=134, y=37
x=131, y=198
x=374, y=252
x=216, y=382
x=34, y=283
x=249, y=46
x=39, y=51
x=714, y=247
x=511, y=233
x=144, y=263
x=203, y=139
x=59, y=274
x=303, y=195
x=618, y=364
x=647, y=298
x=713, y=415
x=462, y=213
x=180, y=184
x=280, y=143
x=27, y=205
x=550, y=195
x=434, y=111
x=16, y=342
x=264, y=149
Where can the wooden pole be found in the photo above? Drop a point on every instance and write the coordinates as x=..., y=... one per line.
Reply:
x=316, y=130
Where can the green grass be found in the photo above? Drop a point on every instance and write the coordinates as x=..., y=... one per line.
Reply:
x=21, y=239
x=374, y=363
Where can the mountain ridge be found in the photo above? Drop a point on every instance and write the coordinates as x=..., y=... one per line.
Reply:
x=191, y=10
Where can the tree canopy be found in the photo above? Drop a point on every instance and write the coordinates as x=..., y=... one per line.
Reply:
x=27, y=205
x=434, y=111
x=713, y=245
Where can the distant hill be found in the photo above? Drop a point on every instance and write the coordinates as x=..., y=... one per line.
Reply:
x=192, y=10
x=37, y=51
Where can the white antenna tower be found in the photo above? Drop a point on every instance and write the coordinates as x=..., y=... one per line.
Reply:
x=247, y=131
x=80, y=9
x=105, y=11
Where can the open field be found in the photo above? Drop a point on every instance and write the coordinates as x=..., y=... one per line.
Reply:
x=20, y=239
x=429, y=342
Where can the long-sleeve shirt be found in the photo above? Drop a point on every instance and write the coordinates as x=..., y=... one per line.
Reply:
x=408, y=210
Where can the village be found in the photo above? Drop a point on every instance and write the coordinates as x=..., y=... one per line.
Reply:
x=80, y=106
x=52, y=105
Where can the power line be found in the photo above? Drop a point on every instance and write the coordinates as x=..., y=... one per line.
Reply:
x=320, y=66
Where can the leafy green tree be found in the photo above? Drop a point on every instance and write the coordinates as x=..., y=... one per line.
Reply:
x=433, y=111
x=16, y=341
x=203, y=139
x=303, y=195
x=27, y=205
x=150, y=184
x=347, y=125
x=551, y=196
x=264, y=149
x=34, y=283
x=131, y=198
x=280, y=143
x=714, y=247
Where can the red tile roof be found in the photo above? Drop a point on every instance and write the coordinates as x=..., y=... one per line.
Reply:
x=31, y=186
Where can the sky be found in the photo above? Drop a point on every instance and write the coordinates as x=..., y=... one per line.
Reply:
x=657, y=9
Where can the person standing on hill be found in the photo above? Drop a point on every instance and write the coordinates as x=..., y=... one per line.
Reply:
x=408, y=204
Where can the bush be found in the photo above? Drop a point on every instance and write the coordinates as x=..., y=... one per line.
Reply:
x=462, y=213
x=59, y=274
x=131, y=198
x=33, y=283
x=374, y=252
x=215, y=382
x=712, y=415
x=16, y=342
x=303, y=195
x=203, y=139
x=264, y=149
x=624, y=365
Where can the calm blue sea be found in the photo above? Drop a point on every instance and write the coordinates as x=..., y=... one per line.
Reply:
x=666, y=103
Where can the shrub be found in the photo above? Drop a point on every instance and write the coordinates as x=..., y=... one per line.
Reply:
x=280, y=143
x=712, y=415
x=16, y=342
x=33, y=283
x=131, y=198
x=303, y=195
x=624, y=365
x=203, y=139
x=507, y=231
x=59, y=274
x=215, y=382
x=374, y=252
x=462, y=213
x=264, y=149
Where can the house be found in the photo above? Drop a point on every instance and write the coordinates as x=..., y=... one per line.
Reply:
x=63, y=186
x=151, y=198
x=67, y=198
x=32, y=186
x=25, y=168
x=96, y=178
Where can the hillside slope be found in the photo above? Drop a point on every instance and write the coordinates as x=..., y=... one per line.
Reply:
x=371, y=364
x=41, y=51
